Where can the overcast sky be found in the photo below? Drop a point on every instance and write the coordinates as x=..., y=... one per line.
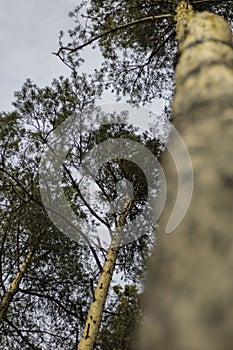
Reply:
x=29, y=32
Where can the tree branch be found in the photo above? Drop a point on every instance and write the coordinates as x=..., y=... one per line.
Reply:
x=57, y=213
x=110, y=31
x=46, y=296
x=20, y=334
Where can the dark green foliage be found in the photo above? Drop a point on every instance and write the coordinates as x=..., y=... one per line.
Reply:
x=51, y=304
x=140, y=55
x=44, y=310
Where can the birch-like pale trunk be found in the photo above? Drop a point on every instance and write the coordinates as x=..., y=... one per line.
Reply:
x=9, y=294
x=94, y=317
x=189, y=294
x=91, y=329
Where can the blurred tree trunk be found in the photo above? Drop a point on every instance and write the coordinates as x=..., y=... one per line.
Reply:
x=189, y=294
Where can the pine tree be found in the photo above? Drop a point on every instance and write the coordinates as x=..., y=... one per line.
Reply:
x=47, y=279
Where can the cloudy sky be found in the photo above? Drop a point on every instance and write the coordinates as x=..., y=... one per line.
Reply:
x=29, y=32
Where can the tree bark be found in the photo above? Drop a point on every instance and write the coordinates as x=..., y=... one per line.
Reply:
x=9, y=294
x=14, y=287
x=189, y=294
x=90, y=332
x=91, y=329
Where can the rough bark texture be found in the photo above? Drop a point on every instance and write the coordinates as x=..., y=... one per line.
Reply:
x=189, y=294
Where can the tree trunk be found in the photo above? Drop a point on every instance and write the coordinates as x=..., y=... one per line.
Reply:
x=91, y=329
x=14, y=287
x=189, y=294
x=10, y=293
x=90, y=332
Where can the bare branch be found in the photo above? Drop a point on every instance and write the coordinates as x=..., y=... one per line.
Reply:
x=25, y=339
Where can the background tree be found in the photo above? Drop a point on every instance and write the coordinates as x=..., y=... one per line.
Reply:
x=38, y=299
x=47, y=280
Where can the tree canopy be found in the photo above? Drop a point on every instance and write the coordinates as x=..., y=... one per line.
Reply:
x=137, y=40
x=48, y=280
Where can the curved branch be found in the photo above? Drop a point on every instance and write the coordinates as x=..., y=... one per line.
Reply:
x=154, y=52
x=110, y=31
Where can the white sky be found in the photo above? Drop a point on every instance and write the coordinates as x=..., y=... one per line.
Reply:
x=29, y=32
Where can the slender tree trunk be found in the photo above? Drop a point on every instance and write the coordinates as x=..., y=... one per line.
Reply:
x=91, y=329
x=189, y=294
x=90, y=332
x=14, y=287
x=9, y=294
